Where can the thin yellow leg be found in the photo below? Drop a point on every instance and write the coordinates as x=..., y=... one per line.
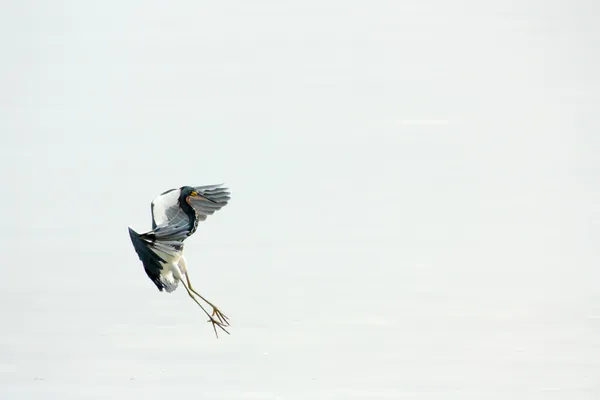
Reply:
x=216, y=312
x=214, y=322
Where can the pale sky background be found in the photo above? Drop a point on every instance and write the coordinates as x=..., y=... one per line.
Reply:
x=414, y=208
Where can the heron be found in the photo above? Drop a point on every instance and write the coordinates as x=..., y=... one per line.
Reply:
x=175, y=217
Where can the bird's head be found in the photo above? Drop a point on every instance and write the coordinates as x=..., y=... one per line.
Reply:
x=188, y=191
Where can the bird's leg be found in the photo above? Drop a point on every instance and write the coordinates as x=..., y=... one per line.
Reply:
x=214, y=322
x=216, y=312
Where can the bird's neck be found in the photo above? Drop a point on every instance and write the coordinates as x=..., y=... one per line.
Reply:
x=189, y=211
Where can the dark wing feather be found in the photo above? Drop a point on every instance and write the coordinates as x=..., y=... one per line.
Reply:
x=151, y=260
x=166, y=240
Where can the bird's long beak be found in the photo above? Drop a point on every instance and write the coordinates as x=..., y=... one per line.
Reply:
x=199, y=196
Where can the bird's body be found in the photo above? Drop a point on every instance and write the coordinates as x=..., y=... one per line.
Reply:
x=171, y=272
x=175, y=216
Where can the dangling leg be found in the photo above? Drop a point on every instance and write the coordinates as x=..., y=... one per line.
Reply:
x=214, y=322
x=216, y=312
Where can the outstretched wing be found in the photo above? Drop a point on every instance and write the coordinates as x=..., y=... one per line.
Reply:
x=166, y=209
x=212, y=198
x=156, y=248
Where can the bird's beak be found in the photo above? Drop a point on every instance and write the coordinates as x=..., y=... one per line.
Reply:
x=199, y=196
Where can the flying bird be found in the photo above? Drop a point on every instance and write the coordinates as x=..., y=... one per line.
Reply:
x=175, y=217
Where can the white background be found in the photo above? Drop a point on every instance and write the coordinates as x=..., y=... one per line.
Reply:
x=414, y=206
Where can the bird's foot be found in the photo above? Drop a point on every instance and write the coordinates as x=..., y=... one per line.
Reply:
x=220, y=316
x=216, y=324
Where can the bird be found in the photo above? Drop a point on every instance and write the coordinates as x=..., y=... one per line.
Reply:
x=176, y=214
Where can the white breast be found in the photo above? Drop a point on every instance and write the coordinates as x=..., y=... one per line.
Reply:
x=171, y=274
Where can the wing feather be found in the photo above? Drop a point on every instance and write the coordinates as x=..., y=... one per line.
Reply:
x=165, y=209
x=215, y=198
x=152, y=262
